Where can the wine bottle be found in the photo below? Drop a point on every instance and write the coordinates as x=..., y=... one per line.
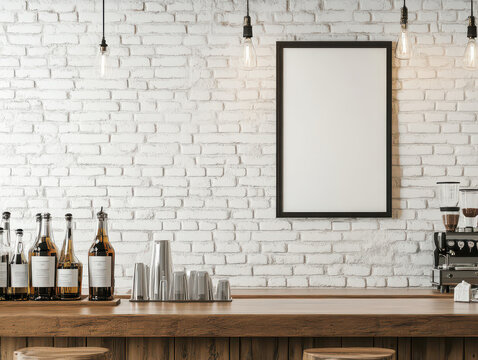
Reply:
x=18, y=289
x=4, y=259
x=43, y=259
x=70, y=269
x=101, y=263
x=38, y=228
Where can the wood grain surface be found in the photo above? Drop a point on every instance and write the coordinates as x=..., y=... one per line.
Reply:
x=149, y=348
x=349, y=353
x=9, y=344
x=404, y=317
x=83, y=302
x=311, y=293
x=70, y=353
x=201, y=348
x=270, y=348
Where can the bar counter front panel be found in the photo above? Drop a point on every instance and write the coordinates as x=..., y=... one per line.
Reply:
x=418, y=325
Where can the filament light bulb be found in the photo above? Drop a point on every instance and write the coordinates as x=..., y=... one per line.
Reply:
x=404, y=45
x=249, y=53
x=470, y=59
x=103, y=61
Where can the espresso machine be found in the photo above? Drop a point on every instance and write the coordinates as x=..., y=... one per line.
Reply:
x=456, y=252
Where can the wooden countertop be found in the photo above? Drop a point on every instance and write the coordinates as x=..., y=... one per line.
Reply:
x=311, y=293
x=338, y=315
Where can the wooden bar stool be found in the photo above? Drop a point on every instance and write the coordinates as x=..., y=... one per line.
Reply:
x=356, y=353
x=72, y=353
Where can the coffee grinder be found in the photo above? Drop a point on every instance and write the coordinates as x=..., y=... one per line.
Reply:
x=448, y=198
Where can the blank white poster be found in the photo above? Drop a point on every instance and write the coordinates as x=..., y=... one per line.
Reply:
x=334, y=130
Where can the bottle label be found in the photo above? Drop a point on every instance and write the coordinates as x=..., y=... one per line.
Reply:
x=67, y=277
x=99, y=271
x=43, y=271
x=19, y=273
x=3, y=274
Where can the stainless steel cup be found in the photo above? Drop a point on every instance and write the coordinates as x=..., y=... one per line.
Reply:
x=146, y=275
x=179, y=289
x=223, y=291
x=140, y=282
x=193, y=285
x=163, y=290
x=204, y=286
x=161, y=268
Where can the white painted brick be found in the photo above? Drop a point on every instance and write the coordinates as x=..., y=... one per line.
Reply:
x=215, y=259
x=272, y=270
x=274, y=236
x=324, y=259
x=327, y=281
x=233, y=270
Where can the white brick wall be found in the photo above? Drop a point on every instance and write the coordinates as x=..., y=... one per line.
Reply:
x=180, y=144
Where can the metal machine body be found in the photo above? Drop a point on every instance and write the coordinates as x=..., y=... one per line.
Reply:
x=455, y=259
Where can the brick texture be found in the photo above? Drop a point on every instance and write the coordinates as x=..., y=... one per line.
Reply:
x=179, y=143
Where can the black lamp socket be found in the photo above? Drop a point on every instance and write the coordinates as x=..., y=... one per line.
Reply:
x=404, y=16
x=247, y=29
x=471, y=33
x=103, y=45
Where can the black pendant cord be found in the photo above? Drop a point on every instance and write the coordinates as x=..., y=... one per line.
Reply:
x=103, y=41
x=247, y=7
x=471, y=33
x=103, y=19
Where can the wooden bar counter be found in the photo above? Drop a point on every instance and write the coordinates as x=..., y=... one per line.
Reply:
x=419, y=324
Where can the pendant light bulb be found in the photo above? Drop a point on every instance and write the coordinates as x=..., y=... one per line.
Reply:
x=249, y=55
x=103, y=52
x=404, y=43
x=249, y=59
x=103, y=60
x=470, y=59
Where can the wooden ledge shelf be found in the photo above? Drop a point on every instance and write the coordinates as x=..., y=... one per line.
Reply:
x=366, y=316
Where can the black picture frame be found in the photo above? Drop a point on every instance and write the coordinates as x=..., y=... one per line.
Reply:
x=280, y=46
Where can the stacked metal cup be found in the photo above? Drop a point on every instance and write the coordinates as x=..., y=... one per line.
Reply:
x=223, y=290
x=204, y=287
x=140, y=282
x=179, y=288
x=161, y=271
